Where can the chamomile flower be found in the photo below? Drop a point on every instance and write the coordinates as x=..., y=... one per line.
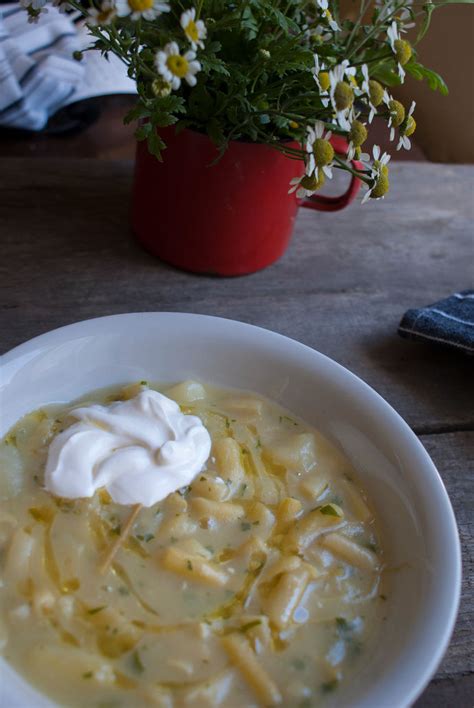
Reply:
x=195, y=30
x=400, y=47
x=321, y=76
x=379, y=175
x=306, y=185
x=148, y=9
x=324, y=7
x=319, y=150
x=103, y=15
x=357, y=137
x=396, y=114
x=174, y=66
x=341, y=93
x=407, y=128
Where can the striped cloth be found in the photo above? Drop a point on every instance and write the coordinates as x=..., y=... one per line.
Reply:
x=37, y=71
x=449, y=322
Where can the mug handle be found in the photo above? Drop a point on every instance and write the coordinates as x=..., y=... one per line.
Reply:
x=323, y=203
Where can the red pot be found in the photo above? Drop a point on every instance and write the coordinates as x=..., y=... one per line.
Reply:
x=230, y=218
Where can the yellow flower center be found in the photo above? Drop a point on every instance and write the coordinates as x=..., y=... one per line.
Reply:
x=383, y=169
x=327, y=15
x=140, y=5
x=376, y=92
x=294, y=124
x=178, y=65
x=192, y=31
x=312, y=183
x=358, y=133
x=403, y=51
x=323, y=152
x=343, y=96
x=397, y=111
x=324, y=80
x=381, y=188
x=409, y=126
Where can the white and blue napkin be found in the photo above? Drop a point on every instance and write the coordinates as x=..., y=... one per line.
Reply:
x=449, y=322
x=37, y=70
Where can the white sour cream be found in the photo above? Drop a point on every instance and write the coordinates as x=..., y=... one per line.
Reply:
x=140, y=450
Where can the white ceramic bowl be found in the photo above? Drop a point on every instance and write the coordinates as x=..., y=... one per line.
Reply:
x=403, y=483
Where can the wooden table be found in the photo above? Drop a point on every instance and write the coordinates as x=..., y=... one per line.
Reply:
x=342, y=287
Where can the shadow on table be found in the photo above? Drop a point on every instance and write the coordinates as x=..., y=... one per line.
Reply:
x=433, y=377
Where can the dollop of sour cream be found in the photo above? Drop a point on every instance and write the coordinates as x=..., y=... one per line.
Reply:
x=139, y=450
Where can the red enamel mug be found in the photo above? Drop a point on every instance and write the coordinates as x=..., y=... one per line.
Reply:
x=229, y=218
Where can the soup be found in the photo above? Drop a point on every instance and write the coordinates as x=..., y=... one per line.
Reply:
x=258, y=584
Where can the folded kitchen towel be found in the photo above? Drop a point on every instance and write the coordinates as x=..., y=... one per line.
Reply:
x=449, y=322
x=37, y=70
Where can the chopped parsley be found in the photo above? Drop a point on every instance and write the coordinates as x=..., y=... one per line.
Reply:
x=331, y=510
x=343, y=626
x=95, y=610
x=245, y=526
x=250, y=625
x=123, y=590
x=243, y=487
x=147, y=537
x=189, y=565
x=136, y=663
x=298, y=664
x=329, y=686
x=87, y=675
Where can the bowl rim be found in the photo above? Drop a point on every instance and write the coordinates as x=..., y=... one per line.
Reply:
x=450, y=531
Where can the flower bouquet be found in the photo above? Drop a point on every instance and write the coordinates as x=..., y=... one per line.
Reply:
x=293, y=75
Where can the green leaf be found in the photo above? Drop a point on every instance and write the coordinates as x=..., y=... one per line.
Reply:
x=212, y=63
x=215, y=132
x=155, y=144
x=386, y=73
x=135, y=113
x=249, y=22
x=420, y=72
x=142, y=133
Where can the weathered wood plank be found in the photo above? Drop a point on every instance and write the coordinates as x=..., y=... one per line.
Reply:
x=347, y=278
x=453, y=454
x=448, y=693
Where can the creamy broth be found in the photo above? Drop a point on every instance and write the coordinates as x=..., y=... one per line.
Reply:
x=257, y=585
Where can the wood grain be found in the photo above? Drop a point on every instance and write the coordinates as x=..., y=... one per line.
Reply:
x=342, y=287
x=68, y=254
x=453, y=454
